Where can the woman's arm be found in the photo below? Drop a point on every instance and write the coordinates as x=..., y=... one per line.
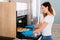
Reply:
x=37, y=25
x=41, y=27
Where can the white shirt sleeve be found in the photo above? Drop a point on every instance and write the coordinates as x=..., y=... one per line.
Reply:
x=48, y=19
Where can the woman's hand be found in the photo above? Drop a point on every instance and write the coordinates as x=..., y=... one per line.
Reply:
x=28, y=33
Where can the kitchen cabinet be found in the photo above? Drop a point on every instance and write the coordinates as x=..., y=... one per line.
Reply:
x=8, y=19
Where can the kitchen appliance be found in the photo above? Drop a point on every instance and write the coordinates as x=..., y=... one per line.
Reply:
x=21, y=22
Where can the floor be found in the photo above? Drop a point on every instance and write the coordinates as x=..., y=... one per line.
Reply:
x=56, y=31
x=5, y=38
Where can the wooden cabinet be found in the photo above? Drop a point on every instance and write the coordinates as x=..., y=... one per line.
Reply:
x=8, y=19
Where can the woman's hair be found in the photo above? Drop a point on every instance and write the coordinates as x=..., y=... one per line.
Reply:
x=50, y=9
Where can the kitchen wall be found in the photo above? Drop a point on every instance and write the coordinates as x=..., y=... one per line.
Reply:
x=56, y=6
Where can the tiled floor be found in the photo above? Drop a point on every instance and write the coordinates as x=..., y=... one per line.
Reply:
x=56, y=31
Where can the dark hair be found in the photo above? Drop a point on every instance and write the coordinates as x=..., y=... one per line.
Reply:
x=47, y=4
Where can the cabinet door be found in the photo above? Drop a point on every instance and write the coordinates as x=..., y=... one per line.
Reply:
x=8, y=19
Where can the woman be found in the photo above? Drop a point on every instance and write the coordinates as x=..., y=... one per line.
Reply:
x=46, y=24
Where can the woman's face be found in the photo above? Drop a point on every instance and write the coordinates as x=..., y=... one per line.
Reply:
x=44, y=9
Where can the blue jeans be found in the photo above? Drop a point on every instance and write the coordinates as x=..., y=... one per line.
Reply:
x=46, y=38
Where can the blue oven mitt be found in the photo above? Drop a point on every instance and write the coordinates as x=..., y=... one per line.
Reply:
x=28, y=33
x=30, y=26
